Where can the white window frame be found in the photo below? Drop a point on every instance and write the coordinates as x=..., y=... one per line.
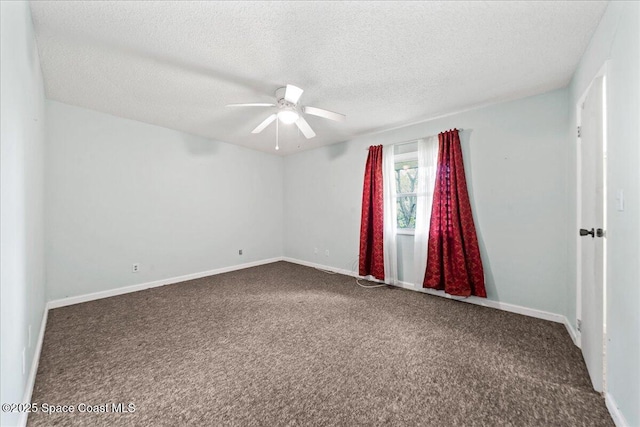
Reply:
x=404, y=157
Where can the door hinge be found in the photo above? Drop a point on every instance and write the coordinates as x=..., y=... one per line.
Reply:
x=578, y=324
x=579, y=131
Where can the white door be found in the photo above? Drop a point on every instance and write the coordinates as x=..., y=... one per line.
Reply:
x=591, y=222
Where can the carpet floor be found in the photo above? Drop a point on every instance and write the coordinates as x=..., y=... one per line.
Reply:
x=283, y=345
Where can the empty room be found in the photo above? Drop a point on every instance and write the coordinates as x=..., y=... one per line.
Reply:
x=320, y=213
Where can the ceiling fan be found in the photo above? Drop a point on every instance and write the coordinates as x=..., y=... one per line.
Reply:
x=290, y=111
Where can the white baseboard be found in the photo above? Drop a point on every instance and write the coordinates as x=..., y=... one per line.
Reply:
x=320, y=266
x=572, y=332
x=532, y=312
x=31, y=380
x=618, y=419
x=142, y=286
x=472, y=299
x=513, y=308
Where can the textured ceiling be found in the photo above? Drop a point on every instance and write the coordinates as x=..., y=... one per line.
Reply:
x=383, y=64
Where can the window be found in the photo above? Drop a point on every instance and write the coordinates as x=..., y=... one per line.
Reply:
x=406, y=178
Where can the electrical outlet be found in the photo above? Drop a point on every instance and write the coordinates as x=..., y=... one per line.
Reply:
x=135, y=267
x=24, y=360
x=240, y=252
x=315, y=251
x=326, y=253
x=29, y=341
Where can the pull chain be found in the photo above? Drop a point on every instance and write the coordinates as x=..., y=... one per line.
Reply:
x=277, y=135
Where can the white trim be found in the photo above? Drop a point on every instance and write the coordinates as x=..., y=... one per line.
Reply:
x=406, y=231
x=31, y=380
x=162, y=282
x=572, y=332
x=322, y=267
x=405, y=157
x=531, y=312
x=618, y=419
x=513, y=308
x=578, y=260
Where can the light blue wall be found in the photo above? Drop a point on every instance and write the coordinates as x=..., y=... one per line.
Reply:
x=616, y=39
x=21, y=188
x=515, y=159
x=121, y=192
x=140, y=193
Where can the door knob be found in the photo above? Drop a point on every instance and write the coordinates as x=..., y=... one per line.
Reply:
x=600, y=232
x=585, y=232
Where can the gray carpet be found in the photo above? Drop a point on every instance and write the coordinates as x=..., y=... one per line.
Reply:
x=283, y=344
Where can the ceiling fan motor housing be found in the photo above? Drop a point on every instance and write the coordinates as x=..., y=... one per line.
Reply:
x=281, y=102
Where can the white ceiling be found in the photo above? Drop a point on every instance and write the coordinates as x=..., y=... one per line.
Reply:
x=383, y=64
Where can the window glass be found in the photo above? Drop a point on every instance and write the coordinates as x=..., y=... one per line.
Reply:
x=406, y=171
x=406, y=206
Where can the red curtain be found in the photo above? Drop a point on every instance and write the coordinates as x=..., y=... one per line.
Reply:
x=453, y=260
x=371, y=224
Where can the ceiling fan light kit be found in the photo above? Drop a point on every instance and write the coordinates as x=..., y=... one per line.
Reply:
x=288, y=116
x=291, y=112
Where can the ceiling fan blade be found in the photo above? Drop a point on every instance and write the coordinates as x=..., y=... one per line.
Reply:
x=305, y=128
x=264, y=124
x=325, y=113
x=256, y=104
x=293, y=94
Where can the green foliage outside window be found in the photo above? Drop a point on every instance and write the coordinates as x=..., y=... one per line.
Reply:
x=406, y=186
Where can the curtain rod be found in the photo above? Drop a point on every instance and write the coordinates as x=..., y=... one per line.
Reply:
x=412, y=140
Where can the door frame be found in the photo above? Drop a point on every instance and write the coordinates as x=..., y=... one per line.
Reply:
x=604, y=73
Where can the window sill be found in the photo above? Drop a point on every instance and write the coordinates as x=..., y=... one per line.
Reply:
x=406, y=231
